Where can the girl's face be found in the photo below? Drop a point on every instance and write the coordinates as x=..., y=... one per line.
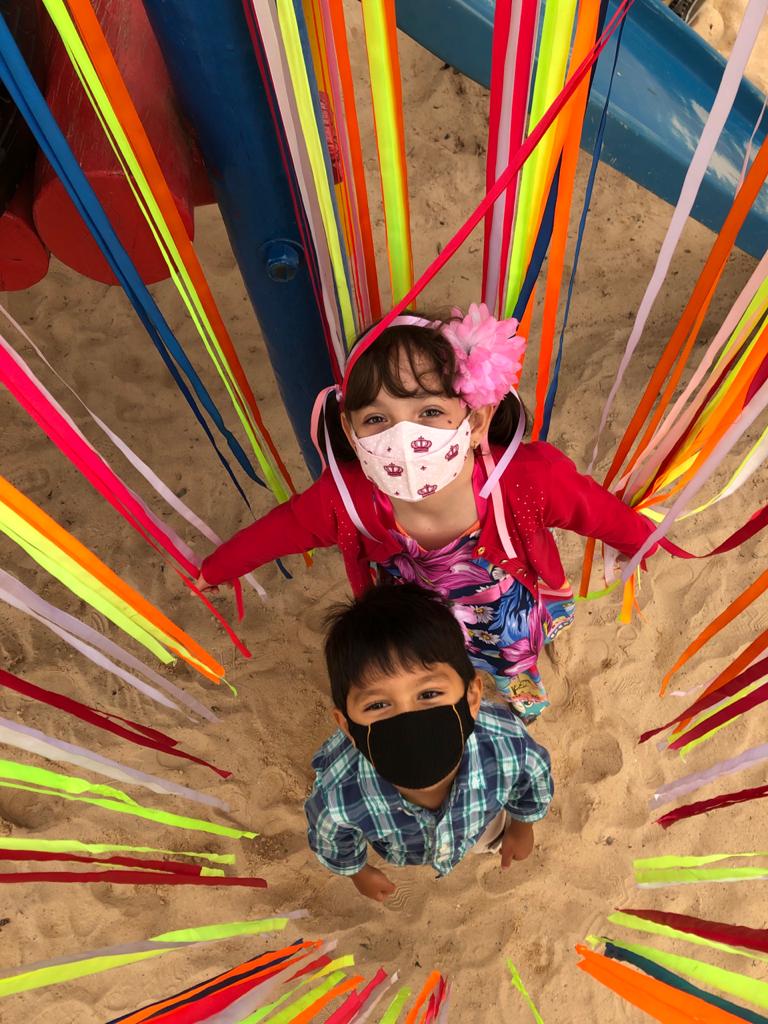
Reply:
x=426, y=404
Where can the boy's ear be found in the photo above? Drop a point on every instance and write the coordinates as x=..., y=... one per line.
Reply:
x=475, y=694
x=340, y=720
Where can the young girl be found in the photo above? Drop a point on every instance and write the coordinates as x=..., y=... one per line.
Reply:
x=427, y=482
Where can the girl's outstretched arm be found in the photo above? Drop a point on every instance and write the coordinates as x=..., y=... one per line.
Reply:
x=574, y=501
x=305, y=521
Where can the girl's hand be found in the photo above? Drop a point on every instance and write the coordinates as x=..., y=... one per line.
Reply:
x=373, y=883
x=517, y=843
x=202, y=584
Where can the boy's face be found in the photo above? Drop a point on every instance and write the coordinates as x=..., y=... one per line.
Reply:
x=408, y=689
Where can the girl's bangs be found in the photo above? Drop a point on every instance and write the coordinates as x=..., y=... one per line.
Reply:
x=427, y=354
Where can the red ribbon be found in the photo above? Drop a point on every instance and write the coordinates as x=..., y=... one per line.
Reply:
x=756, y=522
x=173, y=867
x=733, y=934
x=129, y=878
x=715, y=803
x=143, y=735
x=740, y=682
x=726, y=714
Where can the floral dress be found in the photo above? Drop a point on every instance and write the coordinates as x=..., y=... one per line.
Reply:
x=505, y=626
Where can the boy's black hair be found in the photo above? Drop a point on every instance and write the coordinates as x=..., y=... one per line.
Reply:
x=392, y=626
x=379, y=368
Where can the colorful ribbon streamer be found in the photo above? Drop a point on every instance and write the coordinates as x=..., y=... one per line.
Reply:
x=517, y=982
x=61, y=429
x=122, y=727
x=69, y=787
x=81, y=571
x=107, y=92
x=716, y=932
x=713, y=804
x=77, y=848
x=97, y=647
x=662, y=1002
x=23, y=737
x=667, y=977
x=721, y=107
x=25, y=93
x=54, y=972
x=161, y=489
x=517, y=160
x=554, y=48
x=380, y=26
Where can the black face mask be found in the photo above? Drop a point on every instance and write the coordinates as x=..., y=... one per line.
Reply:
x=417, y=749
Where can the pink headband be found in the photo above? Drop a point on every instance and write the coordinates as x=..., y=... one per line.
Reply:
x=489, y=352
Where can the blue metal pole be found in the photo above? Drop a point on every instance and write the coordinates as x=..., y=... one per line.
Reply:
x=208, y=50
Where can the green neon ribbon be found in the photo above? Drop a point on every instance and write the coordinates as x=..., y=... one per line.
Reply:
x=297, y=67
x=395, y=1008
x=147, y=203
x=55, y=974
x=639, y=924
x=660, y=863
x=69, y=787
x=335, y=965
x=555, y=45
x=383, y=68
x=292, y=1010
x=749, y=989
x=684, y=877
x=100, y=849
x=77, y=579
x=517, y=981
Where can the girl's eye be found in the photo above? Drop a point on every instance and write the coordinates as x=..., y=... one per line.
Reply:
x=430, y=694
x=374, y=420
x=432, y=413
x=377, y=705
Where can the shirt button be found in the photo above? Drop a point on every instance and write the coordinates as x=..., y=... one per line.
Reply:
x=481, y=551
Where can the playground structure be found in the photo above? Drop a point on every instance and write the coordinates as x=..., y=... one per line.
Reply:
x=223, y=80
x=665, y=81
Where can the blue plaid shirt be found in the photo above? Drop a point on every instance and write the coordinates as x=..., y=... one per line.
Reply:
x=351, y=805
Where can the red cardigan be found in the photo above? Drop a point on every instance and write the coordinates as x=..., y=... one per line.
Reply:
x=541, y=489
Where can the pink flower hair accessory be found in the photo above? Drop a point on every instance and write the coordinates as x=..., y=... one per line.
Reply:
x=489, y=355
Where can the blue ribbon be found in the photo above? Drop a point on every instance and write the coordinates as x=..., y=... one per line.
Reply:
x=549, y=401
x=540, y=248
x=26, y=95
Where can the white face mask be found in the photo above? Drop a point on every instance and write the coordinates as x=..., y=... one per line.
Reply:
x=410, y=461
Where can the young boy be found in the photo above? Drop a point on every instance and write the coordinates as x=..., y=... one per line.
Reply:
x=420, y=769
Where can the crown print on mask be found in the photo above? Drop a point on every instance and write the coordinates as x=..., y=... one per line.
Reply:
x=400, y=459
x=421, y=445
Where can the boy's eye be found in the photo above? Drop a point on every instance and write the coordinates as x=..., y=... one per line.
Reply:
x=430, y=694
x=377, y=705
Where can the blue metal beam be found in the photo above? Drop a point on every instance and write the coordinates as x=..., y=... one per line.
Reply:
x=210, y=58
x=666, y=80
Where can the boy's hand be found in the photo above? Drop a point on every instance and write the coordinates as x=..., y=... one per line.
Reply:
x=517, y=843
x=373, y=883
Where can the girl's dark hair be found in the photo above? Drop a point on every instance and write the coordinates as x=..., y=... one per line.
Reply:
x=427, y=354
x=392, y=626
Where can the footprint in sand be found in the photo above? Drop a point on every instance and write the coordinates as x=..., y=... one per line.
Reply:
x=601, y=757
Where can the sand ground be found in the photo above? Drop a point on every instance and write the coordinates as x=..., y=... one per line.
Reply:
x=603, y=686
